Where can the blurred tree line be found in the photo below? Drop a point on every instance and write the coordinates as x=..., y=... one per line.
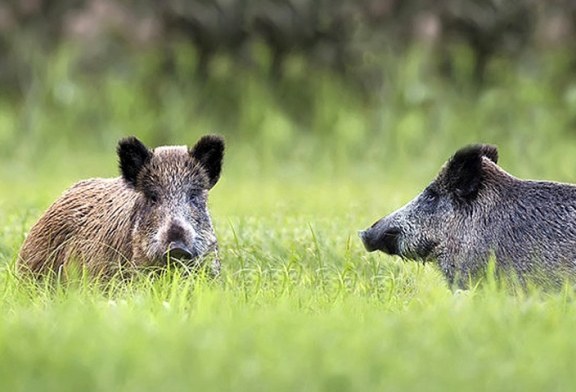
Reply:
x=340, y=36
x=395, y=72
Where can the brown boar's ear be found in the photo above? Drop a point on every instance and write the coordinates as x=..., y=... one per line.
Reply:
x=209, y=151
x=133, y=156
x=463, y=175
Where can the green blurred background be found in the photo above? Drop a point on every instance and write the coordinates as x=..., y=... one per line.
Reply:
x=362, y=93
x=373, y=79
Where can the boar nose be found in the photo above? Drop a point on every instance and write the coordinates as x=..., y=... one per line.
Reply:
x=177, y=250
x=366, y=240
x=385, y=241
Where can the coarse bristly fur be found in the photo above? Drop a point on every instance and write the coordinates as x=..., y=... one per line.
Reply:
x=155, y=212
x=475, y=211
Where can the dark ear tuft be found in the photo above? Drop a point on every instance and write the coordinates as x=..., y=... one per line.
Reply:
x=133, y=156
x=463, y=173
x=488, y=151
x=209, y=151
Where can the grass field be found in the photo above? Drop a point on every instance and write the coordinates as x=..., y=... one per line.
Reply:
x=300, y=305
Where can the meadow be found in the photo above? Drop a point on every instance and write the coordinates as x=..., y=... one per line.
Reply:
x=300, y=305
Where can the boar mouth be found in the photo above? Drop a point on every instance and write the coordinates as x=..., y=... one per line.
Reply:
x=179, y=252
x=425, y=252
x=389, y=242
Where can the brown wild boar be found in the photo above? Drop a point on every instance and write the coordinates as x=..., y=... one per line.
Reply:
x=154, y=212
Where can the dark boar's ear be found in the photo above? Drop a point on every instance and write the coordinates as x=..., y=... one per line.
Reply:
x=464, y=174
x=133, y=156
x=209, y=151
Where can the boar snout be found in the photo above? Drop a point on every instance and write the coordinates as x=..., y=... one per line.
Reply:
x=178, y=250
x=385, y=239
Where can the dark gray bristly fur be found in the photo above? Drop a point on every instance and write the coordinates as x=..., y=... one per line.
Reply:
x=474, y=211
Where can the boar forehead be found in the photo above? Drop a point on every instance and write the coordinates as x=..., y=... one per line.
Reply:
x=172, y=169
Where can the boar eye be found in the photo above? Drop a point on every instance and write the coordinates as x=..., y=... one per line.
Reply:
x=195, y=197
x=430, y=195
x=153, y=197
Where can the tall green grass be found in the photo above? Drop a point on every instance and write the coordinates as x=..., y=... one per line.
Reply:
x=300, y=305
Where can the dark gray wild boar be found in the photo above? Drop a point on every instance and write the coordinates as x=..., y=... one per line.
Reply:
x=474, y=211
x=155, y=211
